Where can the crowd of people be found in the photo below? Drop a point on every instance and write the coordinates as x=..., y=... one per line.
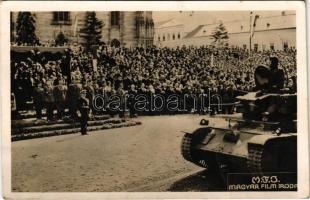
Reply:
x=55, y=84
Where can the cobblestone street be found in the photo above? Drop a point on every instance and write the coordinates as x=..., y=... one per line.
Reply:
x=140, y=158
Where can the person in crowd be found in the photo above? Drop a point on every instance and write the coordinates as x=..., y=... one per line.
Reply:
x=74, y=91
x=38, y=99
x=90, y=93
x=121, y=94
x=131, y=101
x=166, y=71
x=49, y=100
x=83, y=104
x=60, y=94
x=277, y=74
x=13, y=106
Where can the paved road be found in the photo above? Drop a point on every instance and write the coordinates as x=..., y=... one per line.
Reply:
x=140, y=158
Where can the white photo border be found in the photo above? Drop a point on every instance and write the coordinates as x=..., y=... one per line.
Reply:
x=302, y=88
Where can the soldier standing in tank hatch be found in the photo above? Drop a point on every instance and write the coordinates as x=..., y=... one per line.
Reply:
x=84, y=110
x=277, y=81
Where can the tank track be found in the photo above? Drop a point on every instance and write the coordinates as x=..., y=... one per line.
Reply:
x=188, y=153
x=255, y=156
x=194, y=156
x=186, y=147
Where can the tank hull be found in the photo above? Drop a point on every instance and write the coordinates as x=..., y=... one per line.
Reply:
x=238, y=151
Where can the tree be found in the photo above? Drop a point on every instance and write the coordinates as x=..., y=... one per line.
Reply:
x=61, y=39
x=220, y=34
x=25, y=29
x=92, y=29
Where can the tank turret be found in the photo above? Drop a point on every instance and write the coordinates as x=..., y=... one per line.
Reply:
x=271, y=101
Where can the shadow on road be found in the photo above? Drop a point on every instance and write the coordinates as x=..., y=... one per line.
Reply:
x=201, y=181
x=70, y=137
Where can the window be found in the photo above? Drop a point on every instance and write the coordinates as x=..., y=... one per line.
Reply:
x=285, y=46
x=255, y=47
x=61, y=17
x=244, y=46
x=164, y=38
x=264, y=47
x=241, y=27
x=173, y=36
x=179, y=36
x=115, y=18
x=271, y=46
x=158, y=38
x=268, y=25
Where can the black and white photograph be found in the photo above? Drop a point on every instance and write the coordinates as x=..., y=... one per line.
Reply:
x=155, y=100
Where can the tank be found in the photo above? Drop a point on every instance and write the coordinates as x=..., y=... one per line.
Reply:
x=260, y=139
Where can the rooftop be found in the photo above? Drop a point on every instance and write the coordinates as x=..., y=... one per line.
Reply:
x=238, y=26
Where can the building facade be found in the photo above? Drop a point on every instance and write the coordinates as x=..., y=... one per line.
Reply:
x=168, y=33
x=129, y=29
x=272, y=32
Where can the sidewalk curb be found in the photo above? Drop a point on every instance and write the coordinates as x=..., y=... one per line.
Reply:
x=25, y=136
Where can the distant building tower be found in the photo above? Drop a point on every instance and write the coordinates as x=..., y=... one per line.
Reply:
x=145, y=28
x=129, y=29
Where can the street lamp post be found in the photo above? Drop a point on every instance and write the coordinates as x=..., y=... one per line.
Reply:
x=250, y=46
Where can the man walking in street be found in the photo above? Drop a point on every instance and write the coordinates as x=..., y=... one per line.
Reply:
x=84, y=110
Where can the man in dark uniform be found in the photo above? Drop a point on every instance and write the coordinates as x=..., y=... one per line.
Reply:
x=65, y=64
x=38, y=99
x=84, y=110
x=73, y=96
x=277, y=76
x=269, y=78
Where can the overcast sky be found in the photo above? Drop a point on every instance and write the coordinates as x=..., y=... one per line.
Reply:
x=193, y=19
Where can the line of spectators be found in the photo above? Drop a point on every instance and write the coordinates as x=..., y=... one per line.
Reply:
x=55, y=85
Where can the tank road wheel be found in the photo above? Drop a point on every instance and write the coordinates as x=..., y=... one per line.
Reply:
x=186, y=147
x=255, y=158
x=192, y=154
x=280, y=155
x=277, y=155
